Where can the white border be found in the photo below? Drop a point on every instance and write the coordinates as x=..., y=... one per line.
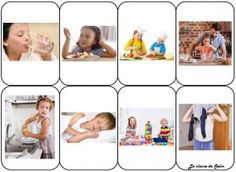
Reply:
x=87, y=72
x=33, y=164
x=148, y=16
x=36, y=72
x=88, y=155
x=147, y=157
x=205, y=75
x=205, y=95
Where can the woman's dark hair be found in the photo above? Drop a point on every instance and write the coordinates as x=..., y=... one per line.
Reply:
x=6, y=30
x=216, y=26
x=98, y=34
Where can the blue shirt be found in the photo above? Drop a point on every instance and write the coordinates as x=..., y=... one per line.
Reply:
x=158, y=48
x=217, y=42
x=98, y=51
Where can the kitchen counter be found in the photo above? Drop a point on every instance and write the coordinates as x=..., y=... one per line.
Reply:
x=184, y=61
x=19, y=155
x=18, y=150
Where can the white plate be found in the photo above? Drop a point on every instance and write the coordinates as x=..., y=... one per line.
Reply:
x=28, y=140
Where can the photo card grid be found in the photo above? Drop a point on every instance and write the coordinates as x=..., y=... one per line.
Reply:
x=100, y=146
x=92, y=71
x=205, y=137
x=142, y=110
x=19, y=54
x=29, y=128
x=149, y=46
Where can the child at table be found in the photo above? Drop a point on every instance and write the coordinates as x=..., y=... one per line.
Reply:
x=206, y=49
x=158, y=47
x=136, y=45
x=90, y=43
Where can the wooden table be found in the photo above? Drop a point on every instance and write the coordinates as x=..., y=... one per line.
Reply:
x=200, y=62
x=90, y=59
x=122, y=58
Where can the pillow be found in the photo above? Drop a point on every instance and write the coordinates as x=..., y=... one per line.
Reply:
x=106, y=136
x=65, y=120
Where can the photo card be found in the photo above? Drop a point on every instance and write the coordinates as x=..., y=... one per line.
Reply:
x=88, y=128
x=146, y=128
x=205, y=128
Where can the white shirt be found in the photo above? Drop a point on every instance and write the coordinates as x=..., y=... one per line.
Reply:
x=38, y=124
x=76, y=127
x=28, y=56
x=209, y=126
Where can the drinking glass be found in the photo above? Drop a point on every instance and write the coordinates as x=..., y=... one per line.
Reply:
x=40, y=43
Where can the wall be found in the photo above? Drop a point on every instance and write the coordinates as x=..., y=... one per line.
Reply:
x=50, y=30
x=153, y=115
x=183, y=127
x=17, y=114
x=189, y=31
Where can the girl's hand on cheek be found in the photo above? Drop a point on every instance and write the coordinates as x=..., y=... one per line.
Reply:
x=101, y=42
x=67, y=33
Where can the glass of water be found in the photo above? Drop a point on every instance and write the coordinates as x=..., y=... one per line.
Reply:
x=40, y=43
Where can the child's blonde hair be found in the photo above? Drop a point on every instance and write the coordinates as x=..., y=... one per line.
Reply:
x=110, y=119
x=44, y=99
x=164, y=120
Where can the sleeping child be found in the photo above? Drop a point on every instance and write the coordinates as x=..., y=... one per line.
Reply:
x=80, y=128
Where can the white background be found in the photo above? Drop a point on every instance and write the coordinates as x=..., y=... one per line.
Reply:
x=88, y=156
x=25, y=72
x=32, y=163
x=132, y=157
x=142, y=115
x=118, y=85
x=204, y=75
x=153, y=17
x=204, y=95
x=87, y=72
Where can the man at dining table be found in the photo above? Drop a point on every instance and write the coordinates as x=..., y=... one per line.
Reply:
x=217, y=41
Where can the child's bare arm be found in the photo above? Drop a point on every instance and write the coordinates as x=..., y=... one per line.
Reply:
x=83, y=136
x=213, y=48
x=71, y=131
x=199, y=48
x=65, y=49
x=28, y=121
x=220, y=118
x=75, y=118
x=43, y=132
x=187, y=115
x=110, y=52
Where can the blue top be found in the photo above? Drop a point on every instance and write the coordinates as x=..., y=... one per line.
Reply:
x=98, y=51
x=158, y=48
x=217, y=42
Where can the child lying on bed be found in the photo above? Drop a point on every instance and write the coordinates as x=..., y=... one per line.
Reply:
x=80, y=128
